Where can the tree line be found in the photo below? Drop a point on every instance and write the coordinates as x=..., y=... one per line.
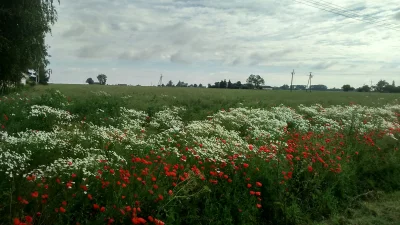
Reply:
x=23, y=27
x=254, y=81
x=382, y=86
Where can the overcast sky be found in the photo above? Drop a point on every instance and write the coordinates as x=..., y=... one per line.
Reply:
x=203, y=41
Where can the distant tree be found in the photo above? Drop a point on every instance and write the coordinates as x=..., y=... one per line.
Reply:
x=200, y=85
x=162, y=85
x=393, y=84
x=90, y=81
x=238, y=85
x=209, y=86
x=44, y=75
x=220, y=84
x=179, y=84
x=299, y=87
x=380, y=86
x=364, y=88
x=347, y=88
x=195, y=85
x=170, y=84
x=102, y=79
x=319, y=87
x=230, y=85
x=216, y=85
x=285, y=87
x=389, y=89
x=255, y=80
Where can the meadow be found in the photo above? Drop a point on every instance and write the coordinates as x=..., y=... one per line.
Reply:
x=79, y=154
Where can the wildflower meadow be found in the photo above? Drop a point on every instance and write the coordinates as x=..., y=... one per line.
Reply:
x=94, y=160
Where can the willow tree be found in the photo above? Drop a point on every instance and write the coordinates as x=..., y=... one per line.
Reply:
x=23, y=28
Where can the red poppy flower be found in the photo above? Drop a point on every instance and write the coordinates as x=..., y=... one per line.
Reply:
x=16, y=221
x=35, y=194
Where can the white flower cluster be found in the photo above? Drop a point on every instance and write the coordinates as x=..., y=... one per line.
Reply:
x=81, y=146
x=13, y=163
x=101, y=93
x=45, y=111
x=168, y=118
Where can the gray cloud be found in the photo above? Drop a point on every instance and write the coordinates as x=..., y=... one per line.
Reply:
x=77, y=30
x=324, y=65
x=397, y=16
x=92, y=51
x=179, y=58
x=145, y=53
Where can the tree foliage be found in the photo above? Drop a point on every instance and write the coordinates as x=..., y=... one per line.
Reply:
x=380, y=86
x=90, y=81
x=364, y=88
x=23, y=27
x=102, y=79
x=347, y=88
x=285, y=87
x=255, y=80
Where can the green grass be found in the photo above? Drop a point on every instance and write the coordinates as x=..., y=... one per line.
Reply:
x=381, y=210
x=199, y=102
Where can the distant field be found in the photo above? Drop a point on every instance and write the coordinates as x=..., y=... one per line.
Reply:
x=201, y=101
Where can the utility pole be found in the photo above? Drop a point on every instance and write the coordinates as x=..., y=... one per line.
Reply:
x=291, y=82
x=160, y=81
x=309, y=82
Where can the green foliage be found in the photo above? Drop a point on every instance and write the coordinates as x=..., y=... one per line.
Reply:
x=102, y=79
x=347, y=88
x=23, y=27
x=90, y=81
x=255, y=80
x=364, y=88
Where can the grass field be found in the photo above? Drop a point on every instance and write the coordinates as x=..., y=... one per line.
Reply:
x=199, y=102
x=147, y=155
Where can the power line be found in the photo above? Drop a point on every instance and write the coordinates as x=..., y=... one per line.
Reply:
x=345, y=12
x=349, y=11
x=329, y=9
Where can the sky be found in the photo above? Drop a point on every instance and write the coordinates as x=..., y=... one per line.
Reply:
x=204, y=41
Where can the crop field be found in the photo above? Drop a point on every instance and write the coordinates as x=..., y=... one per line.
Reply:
x=80, y=154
